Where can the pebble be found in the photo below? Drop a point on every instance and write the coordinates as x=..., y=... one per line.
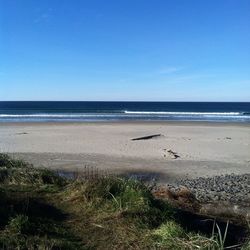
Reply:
x=230, y=187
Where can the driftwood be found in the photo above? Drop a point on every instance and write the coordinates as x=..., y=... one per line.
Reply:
x=145, y=137
x=172, y=154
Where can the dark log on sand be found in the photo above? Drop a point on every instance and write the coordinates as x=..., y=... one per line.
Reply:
x=145, y=137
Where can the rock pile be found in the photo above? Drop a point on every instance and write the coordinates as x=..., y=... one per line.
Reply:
x=232, y=188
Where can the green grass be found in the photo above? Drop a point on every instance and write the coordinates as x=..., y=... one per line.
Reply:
x=41, y=210
x=171, y=235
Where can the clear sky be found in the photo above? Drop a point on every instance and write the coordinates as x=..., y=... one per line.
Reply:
x=153, y=50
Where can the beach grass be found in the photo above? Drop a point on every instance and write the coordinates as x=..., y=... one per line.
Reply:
x=41, y=210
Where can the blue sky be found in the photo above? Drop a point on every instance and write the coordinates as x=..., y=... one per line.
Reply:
x=154, y=50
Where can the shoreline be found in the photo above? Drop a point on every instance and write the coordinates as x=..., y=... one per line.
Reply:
x=127, y=122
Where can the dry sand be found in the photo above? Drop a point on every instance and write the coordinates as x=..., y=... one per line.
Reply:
x=205, y=149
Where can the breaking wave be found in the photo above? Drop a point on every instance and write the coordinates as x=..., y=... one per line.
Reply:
x=183, y=113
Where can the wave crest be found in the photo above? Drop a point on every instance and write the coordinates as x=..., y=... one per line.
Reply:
x=182, y=113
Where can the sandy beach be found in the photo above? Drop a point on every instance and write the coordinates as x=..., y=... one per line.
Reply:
x=204, y=149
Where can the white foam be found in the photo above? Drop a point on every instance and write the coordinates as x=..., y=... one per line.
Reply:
x=182, y=113
x=127, y=115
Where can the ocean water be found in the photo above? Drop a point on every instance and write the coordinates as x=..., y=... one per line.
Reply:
x=124, y=111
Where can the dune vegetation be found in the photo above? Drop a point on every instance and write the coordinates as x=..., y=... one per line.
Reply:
x=41, y=210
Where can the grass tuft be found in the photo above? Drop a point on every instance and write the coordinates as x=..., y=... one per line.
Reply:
x=18, y=172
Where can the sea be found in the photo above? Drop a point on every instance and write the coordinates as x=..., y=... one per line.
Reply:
x=82, y=111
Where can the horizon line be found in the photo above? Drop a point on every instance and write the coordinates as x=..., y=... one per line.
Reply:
x=120, y=101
